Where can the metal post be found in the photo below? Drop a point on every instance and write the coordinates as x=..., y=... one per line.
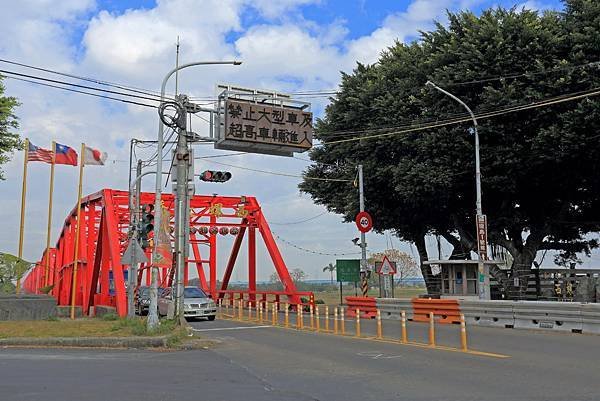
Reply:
x=134, y=204
x=483, y=292
x=182, y=155
x=363, y=243
x=153, y=311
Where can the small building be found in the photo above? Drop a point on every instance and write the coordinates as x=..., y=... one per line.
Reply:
x=462, y=279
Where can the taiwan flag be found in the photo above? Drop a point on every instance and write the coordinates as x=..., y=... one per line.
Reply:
x=65, y=155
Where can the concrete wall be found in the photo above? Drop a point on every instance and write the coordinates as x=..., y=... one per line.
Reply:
x=27, y=307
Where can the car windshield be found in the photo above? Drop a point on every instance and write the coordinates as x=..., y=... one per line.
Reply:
x=193, y=293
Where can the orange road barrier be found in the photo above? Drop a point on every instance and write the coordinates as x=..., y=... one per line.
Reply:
x=444, y=310
x=342, y=321
x=357, y=323
x=327, y=318
x=366, y=305
x=431, y=330
x=463, y=333
x=379, y=328
x=287, y=315
x=404, y=335
x=335, y=320
x=318, y=320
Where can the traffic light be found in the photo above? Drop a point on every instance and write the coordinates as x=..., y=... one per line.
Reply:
x=146, y=224
x=215, y=176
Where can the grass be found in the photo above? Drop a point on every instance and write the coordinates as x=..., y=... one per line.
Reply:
x=101, y=327
x=331, y=297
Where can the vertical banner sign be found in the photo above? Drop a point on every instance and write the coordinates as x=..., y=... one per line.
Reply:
x=482, y=236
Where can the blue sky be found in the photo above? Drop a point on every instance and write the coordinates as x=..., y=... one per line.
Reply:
x=286, y=45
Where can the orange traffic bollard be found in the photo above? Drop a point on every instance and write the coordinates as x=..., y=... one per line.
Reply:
x=240, y=310
x=301, y=316
x=357, y=323
x=463, y=333
x=274, y=322
x=312, y=317
x=342, y=321
x=431, y=330
x=404, y=335
x=298, y=316
x=317, y=318
x=327, y=318
x=335, y=320
x=257, y=309
x=379, y=328
x=287, y=315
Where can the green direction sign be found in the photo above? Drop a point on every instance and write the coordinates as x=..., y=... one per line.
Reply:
x=347, y=270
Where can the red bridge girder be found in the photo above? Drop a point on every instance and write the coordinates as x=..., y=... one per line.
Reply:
x=103, y=239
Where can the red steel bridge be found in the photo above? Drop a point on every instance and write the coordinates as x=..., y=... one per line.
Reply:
x=105, y=217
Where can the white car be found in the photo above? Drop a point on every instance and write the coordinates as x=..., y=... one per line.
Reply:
x=196, y=303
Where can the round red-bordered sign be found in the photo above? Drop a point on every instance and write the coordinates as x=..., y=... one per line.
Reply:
x=364, y=222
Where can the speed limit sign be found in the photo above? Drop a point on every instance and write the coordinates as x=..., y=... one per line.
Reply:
x=364, y=222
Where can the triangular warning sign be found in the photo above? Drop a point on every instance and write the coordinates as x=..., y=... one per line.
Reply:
x=128, y=256
x=387, y=267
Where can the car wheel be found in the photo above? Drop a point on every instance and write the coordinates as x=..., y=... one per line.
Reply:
x=211, y=318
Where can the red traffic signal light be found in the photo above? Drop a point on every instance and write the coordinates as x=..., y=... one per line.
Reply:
x=215, y=176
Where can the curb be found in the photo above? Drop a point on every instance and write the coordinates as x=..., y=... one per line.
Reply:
x=88, y=342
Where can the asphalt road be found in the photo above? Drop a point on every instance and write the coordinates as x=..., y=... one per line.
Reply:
x=266, y=363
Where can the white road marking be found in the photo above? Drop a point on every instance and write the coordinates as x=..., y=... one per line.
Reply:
x=232, y=328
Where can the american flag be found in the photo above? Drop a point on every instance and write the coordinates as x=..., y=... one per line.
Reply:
x=37, y=154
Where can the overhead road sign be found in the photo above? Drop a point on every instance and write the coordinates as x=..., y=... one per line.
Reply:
x=259, y=121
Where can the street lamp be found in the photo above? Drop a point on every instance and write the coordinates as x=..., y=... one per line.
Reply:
x=483, y=276
x=152, y=313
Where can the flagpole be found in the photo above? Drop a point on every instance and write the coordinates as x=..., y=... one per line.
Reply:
x=78, y=227
x=48, y=231
x=23, y=194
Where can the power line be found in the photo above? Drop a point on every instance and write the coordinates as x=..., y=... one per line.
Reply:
x=534, y=105
x=94, y=80
x=300, y=221
x=310, y=250
x=54, y=81
x=83, y=92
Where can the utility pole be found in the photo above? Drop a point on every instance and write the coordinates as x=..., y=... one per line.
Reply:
x=363, y=242
x=182, y=203
x=134, y=208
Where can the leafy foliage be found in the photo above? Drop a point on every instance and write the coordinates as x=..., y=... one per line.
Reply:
x=11, y=268
x=9, y=141
x=541, y=187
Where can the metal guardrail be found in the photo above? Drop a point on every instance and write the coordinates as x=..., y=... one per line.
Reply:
x=569, y=317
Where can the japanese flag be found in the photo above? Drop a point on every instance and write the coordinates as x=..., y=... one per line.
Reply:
x=94, y=157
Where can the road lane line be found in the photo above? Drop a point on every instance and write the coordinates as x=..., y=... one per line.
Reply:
x=232, y=328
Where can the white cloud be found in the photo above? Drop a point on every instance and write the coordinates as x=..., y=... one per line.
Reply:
x=285, y=52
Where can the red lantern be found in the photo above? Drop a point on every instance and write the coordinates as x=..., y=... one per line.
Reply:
x=224, y=231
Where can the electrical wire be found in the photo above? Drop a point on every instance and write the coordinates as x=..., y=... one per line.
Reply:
x=83, y=92
x=311, y=251
x=88, y=79
x=534, y=105
x=55, y=81
x=300, y=221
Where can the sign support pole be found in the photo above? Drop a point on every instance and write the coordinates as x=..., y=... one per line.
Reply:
x=363, y=243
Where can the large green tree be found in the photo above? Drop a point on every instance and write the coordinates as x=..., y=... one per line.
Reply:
x=9, y=141
x=541, y=187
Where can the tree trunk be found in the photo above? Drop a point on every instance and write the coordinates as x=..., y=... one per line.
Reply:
x=433, y=285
